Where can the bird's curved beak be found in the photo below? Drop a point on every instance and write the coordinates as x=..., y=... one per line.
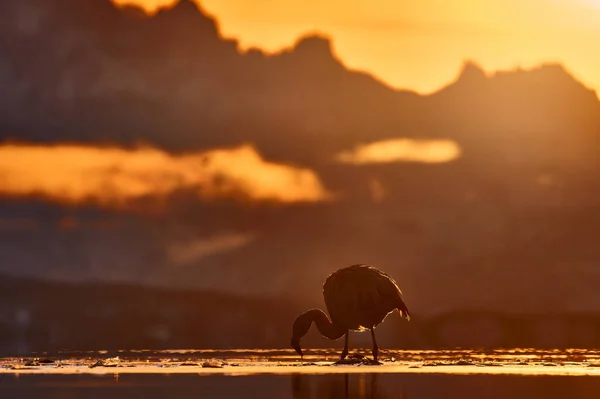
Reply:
x=296, y=345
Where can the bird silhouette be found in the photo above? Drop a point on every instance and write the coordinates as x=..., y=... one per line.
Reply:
x=358, y=298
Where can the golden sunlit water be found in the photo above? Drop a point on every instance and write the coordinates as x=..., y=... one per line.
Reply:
x=520, y=361
x=448, y=374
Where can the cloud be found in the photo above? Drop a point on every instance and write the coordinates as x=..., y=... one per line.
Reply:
x=117, y=177
x=401, y=150
x=197, y=249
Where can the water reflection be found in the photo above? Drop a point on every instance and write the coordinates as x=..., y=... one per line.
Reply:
x=415, y=386
x=298, y=386
x=343, y=386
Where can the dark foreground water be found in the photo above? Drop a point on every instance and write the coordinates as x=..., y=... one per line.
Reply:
x=299, y=386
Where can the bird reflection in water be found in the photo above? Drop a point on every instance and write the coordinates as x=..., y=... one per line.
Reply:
x=342, y=386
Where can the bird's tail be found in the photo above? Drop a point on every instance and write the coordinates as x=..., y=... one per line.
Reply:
x=403, y=309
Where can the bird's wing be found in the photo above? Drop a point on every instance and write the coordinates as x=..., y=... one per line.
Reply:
x=391, y=295
x=359, y=290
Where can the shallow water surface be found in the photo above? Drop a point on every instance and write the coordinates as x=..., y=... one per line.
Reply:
x=456, y=374
x=298, y=386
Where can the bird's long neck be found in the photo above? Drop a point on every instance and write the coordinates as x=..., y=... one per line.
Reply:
x=324, y=325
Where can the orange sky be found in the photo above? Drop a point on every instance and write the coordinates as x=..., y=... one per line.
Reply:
x=421, y=44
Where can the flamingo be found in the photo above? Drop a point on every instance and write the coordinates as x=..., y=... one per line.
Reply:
x=358, y=298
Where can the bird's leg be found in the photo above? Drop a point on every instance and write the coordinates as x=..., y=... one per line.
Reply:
x=375, y=348
x=345, y=351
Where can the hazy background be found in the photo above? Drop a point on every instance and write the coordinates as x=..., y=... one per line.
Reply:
x=147, y=150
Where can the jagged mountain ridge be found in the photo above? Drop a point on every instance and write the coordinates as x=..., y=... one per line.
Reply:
x=173, y=72
x=85, y=71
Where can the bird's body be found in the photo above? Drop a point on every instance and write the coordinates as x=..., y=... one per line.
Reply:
x=358, y=298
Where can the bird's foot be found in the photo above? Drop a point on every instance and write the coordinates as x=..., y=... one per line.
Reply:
x=357, y=359
x=372, y=362
x=354, y=358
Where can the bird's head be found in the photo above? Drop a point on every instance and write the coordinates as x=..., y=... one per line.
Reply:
x=300, y=329
x=296, y=345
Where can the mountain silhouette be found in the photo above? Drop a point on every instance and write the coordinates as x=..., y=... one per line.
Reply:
x=173, y=71
x=88, y=72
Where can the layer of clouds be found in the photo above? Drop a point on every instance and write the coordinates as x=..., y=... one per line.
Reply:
x=402, y=150
x=116, y=177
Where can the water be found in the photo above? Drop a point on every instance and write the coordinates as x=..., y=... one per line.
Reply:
x=520, y=373
x=299, y=386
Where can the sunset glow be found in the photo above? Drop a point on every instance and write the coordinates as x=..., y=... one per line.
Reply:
x=421, y=45
x=338, y=198
x=114, y=177
x=402, y=150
